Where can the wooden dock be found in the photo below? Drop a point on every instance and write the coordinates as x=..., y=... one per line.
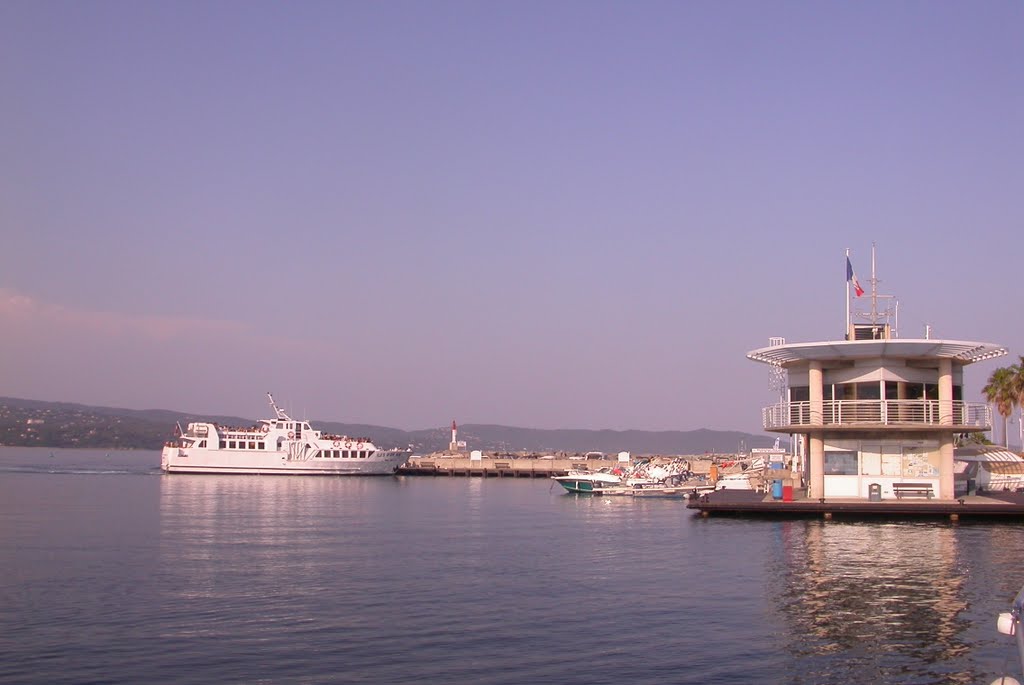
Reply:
x=990, y=505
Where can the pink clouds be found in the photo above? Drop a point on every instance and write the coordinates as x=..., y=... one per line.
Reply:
x=18, y=311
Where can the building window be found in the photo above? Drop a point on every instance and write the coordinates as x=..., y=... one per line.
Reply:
x=840, y=463
x=894, y=461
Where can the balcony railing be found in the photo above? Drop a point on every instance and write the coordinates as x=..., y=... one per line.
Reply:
x=867, y=413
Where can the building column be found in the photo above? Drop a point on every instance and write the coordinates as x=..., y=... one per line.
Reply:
x=946, y=419
x=816, y=392
x=946, y=466
x=816, y=482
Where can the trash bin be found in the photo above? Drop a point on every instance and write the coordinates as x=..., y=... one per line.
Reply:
x=787, y=493
x=776, y=489
x=874, y=492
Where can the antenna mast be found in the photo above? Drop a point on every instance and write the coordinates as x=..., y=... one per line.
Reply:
x=879, y=316
x=277, y=410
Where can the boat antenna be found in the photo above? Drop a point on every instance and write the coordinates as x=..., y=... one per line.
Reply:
x=277, y=410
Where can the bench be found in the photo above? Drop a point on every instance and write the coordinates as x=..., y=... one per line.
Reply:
x=919, y=489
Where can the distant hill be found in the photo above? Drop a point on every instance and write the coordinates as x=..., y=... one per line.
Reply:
x=63, y=424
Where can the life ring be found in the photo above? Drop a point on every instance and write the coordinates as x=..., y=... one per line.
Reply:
x=265, y=428
x=348, y=445
x=291, y=434
x=337, y=443
x=359, y=446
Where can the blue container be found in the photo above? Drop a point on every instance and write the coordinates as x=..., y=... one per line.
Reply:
x=777, y=465
x=776, y=489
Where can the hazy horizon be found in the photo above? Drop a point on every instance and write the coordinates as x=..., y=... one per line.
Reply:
x=541, y=215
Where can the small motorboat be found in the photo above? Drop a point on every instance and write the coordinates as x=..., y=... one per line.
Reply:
x=1009, y=623
x=589, y=482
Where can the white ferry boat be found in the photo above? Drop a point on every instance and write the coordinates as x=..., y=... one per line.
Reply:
x=280, y=445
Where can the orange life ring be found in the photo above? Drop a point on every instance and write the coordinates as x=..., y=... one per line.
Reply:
x=291, y=434
x=348, y=445
x=359, y=446
x=337, y=443
x=265, y=428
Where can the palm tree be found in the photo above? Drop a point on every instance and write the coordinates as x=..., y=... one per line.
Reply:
x=1000, y=391
x=1017, y=387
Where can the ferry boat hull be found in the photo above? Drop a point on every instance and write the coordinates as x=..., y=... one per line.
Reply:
x=177, y=460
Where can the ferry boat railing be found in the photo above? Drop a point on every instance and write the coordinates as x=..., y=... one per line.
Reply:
x=877, y=412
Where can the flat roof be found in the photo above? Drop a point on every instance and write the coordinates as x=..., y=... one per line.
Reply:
x=963, y=351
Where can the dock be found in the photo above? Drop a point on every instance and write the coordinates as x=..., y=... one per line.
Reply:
x=989, y=505
x=526, y=466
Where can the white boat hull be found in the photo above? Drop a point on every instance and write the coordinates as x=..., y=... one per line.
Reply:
x=178, y=460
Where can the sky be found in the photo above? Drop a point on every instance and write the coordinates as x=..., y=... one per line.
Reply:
x=540, y=214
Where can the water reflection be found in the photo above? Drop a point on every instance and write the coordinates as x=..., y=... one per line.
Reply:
x=879, y=595
x=253, y=531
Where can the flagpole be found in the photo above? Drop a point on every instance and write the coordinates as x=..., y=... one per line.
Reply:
x=846, y=330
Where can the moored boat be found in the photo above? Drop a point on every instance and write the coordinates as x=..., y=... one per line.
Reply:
x=1009, y=623
x=281, y=445
x=643, y=478
x=589, y=482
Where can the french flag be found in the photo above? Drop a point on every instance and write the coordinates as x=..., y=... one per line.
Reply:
x=852, y=278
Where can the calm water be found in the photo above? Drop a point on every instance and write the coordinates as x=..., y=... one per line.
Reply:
x=113, y=573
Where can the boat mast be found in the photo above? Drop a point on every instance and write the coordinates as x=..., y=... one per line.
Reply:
x=874, y=288
x=277, y=410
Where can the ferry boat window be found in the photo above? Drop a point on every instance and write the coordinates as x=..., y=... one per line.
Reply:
x=261, y=445
x=252, y=445
x=840, y=463
x=231, y=444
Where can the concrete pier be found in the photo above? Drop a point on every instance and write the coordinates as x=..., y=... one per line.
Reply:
x=495, y=467
x=514, y=466
x=751, y=503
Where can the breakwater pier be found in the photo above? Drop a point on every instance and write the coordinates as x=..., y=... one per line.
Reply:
x=497, y=467
x=525, y=466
